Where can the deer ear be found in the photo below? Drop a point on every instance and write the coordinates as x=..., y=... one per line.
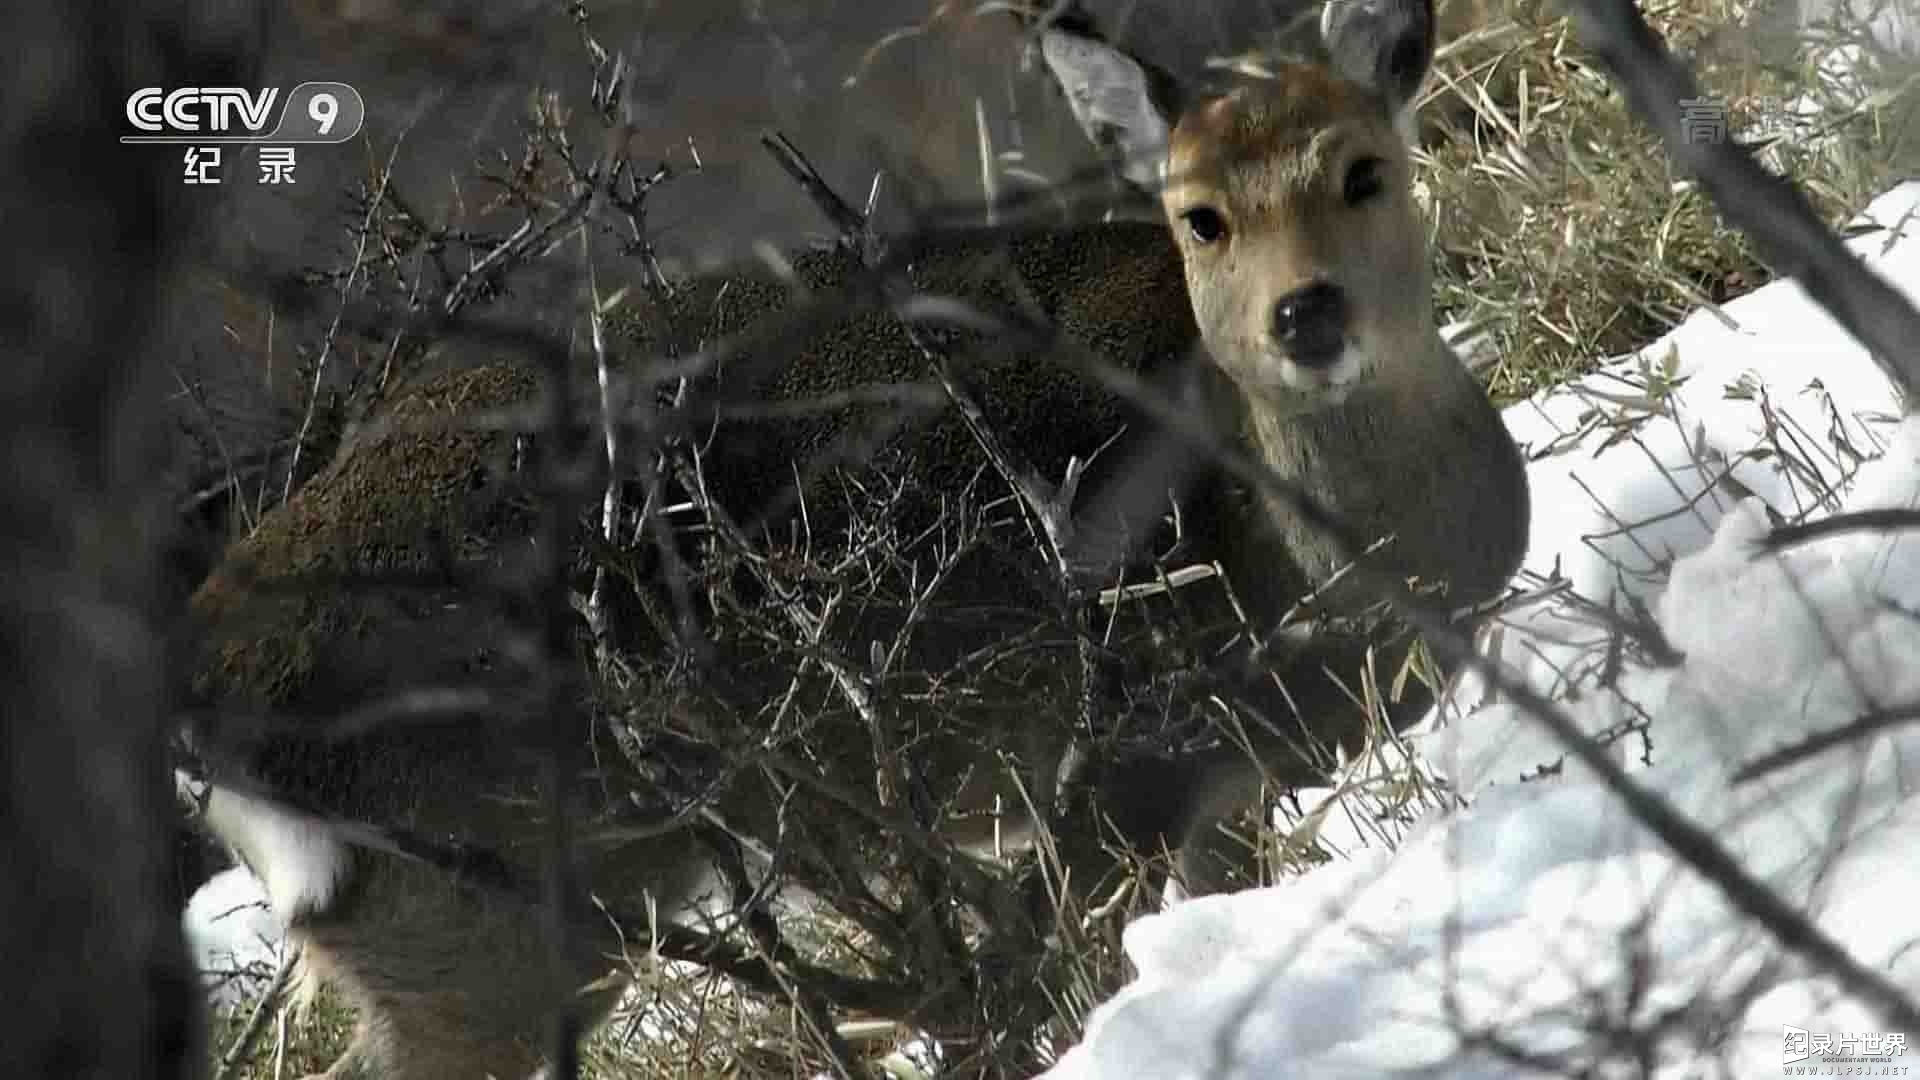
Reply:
x=1113, y=98
x=1383, y=44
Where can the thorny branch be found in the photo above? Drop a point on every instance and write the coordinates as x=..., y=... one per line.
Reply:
x=333, y=331
x=1047, y=505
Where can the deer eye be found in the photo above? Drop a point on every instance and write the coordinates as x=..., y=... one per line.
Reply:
x=1205, y=223
x=1364, y=181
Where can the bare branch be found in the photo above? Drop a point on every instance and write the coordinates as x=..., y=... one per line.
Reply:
x=1873, y=723
x=1860, y=521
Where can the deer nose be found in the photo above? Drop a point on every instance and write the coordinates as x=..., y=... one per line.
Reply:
x=1311, y=323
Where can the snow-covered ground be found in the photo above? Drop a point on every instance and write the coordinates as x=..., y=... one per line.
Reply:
x=1541, y=917
x=1541, y=911
x=234, y=936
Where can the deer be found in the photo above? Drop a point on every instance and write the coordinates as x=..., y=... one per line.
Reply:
x=1285, y=296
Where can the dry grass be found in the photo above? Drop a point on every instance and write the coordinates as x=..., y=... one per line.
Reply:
x=1562, y=230
x=311, y=1040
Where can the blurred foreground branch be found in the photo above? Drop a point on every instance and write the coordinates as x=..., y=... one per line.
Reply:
x=92, y=962
x=1770, y=209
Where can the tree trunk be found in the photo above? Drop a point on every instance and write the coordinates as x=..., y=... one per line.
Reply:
x=93, y=969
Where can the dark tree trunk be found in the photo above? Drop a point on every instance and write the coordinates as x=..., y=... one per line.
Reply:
x=93, y=970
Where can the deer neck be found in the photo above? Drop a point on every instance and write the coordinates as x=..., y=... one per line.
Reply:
x=1419, y=459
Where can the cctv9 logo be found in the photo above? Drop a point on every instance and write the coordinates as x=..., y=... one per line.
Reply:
x=314, y=112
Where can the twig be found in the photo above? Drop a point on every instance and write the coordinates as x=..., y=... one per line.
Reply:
x=849, y=224
x=1868, y=725
x=197, y=394
x=599, y=619
x=524, y=240
x=333, y=328
x=1786, y=536
x=242, y=1045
